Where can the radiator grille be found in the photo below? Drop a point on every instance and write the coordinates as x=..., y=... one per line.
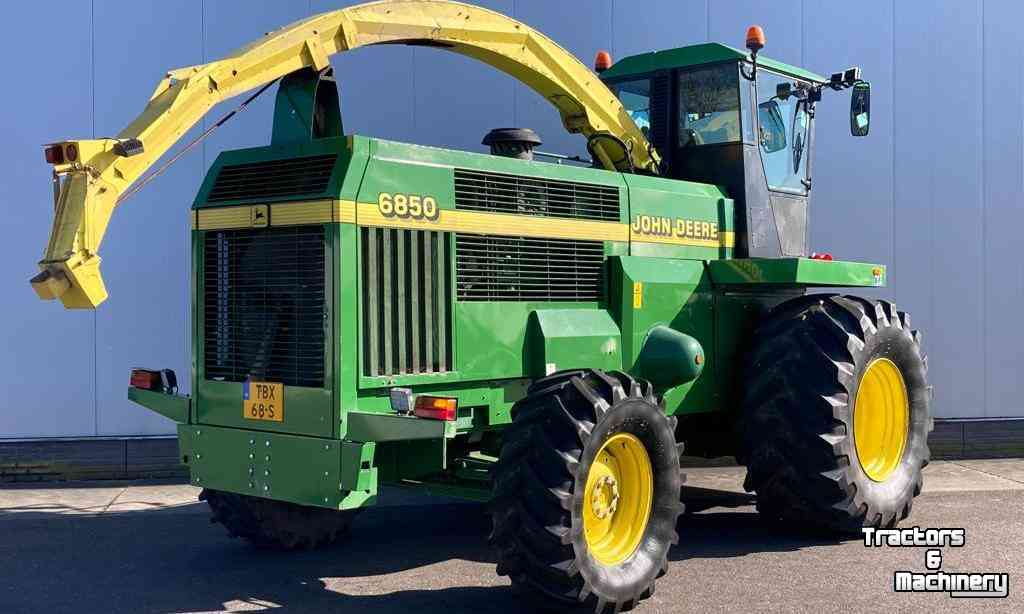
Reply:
x=264, y=305
x=492, y=268
x=406, y=301
x=307, y=176
x=498, y=193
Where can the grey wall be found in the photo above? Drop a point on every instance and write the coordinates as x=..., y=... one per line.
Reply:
x=934, y=191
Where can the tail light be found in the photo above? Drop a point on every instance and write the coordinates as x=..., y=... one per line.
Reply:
x=822, y=256
x=54, y=154
x=157, y=381
x=436, y=408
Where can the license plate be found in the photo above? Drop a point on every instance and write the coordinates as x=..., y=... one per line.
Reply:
x=263, y=401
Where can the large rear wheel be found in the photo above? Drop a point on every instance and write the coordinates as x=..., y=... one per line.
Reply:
x=836, y=413
x=276, y=525
x=587, y=491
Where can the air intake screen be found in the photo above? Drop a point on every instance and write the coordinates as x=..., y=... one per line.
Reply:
x=497, y=193
x=491, y=268
x=275, y=179
x=659, y=115
x=264, y=305
x=406, y=301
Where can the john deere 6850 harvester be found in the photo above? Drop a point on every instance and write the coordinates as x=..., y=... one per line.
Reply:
x=545, y=337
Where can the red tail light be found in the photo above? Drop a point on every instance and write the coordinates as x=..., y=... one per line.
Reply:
x=823, y=256
x=146, y=379
x=436, y=408
x=54, y=154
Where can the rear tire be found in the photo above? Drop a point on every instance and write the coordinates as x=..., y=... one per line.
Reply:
x=276, y=525
x=799, y=432
x=563, y=533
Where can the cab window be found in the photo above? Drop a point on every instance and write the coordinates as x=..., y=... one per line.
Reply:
x=709, y=106
x=636, y=98
x=783, y=123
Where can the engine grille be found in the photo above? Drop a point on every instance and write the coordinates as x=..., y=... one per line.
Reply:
x=290, y=177
x=499, y=193
x=406, y=301
x=493, y=268
x=264, y=305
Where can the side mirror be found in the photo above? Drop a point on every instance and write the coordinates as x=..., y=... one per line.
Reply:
x=773, y=127
x=860, y=109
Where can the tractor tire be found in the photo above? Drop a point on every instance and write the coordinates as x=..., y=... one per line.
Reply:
x=276, y=525
x=586, y=492
x=834, y=431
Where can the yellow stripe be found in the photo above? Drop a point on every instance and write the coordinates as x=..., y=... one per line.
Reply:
x=307, y=212
x=449, y=220
x=726, y=238
x=345, y=211
x=229, y=217
x=499, y=224
x=281, y=214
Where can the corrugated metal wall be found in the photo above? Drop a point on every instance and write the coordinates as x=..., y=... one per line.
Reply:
x=934, y=191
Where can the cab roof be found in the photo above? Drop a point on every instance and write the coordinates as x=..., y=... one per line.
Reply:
x=692, y=55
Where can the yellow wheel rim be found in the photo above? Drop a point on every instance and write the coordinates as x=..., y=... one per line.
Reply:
x=617, y=499
x=881, y=419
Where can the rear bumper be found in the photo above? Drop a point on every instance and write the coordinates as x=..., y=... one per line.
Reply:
x=304, y=470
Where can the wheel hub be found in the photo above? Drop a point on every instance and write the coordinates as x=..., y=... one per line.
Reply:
x=881, y=419
x=604, y=496
x=618, y=496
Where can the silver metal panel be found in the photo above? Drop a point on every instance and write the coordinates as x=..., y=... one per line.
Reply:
x=1002, y=271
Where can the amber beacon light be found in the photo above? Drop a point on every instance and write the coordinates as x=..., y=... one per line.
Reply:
x=755, y=39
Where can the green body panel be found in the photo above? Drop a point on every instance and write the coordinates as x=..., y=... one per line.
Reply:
x=173, y=406
x=348, y=156
x=660, y=209
x=363, y=426
x=677, y=294
x=561, y=339
x=797, y=272
x=671, y=288
x=403, y=167
x=305, y=470
x=692, y=55
x=307, y=411
x=301, y=97
x=669, y=358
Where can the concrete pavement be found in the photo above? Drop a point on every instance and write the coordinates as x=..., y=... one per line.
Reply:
x=118, y=547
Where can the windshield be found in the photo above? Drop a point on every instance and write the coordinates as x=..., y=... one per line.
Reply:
x=636, y=98
x=709, y=106
x=783, y=122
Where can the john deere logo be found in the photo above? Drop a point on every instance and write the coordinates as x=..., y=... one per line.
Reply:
x=679, y=227
x=259, y=216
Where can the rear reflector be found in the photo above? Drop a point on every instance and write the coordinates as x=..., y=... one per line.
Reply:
x=436, y=408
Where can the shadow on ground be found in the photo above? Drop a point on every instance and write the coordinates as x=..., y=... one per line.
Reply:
x=173, y=560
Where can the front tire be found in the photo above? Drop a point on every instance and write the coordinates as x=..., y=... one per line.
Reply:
x=587, y=491
x=836, y=417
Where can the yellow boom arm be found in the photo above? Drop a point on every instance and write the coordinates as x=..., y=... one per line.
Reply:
x=97, y=172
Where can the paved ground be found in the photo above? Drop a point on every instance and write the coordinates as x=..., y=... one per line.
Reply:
x=149, y=548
